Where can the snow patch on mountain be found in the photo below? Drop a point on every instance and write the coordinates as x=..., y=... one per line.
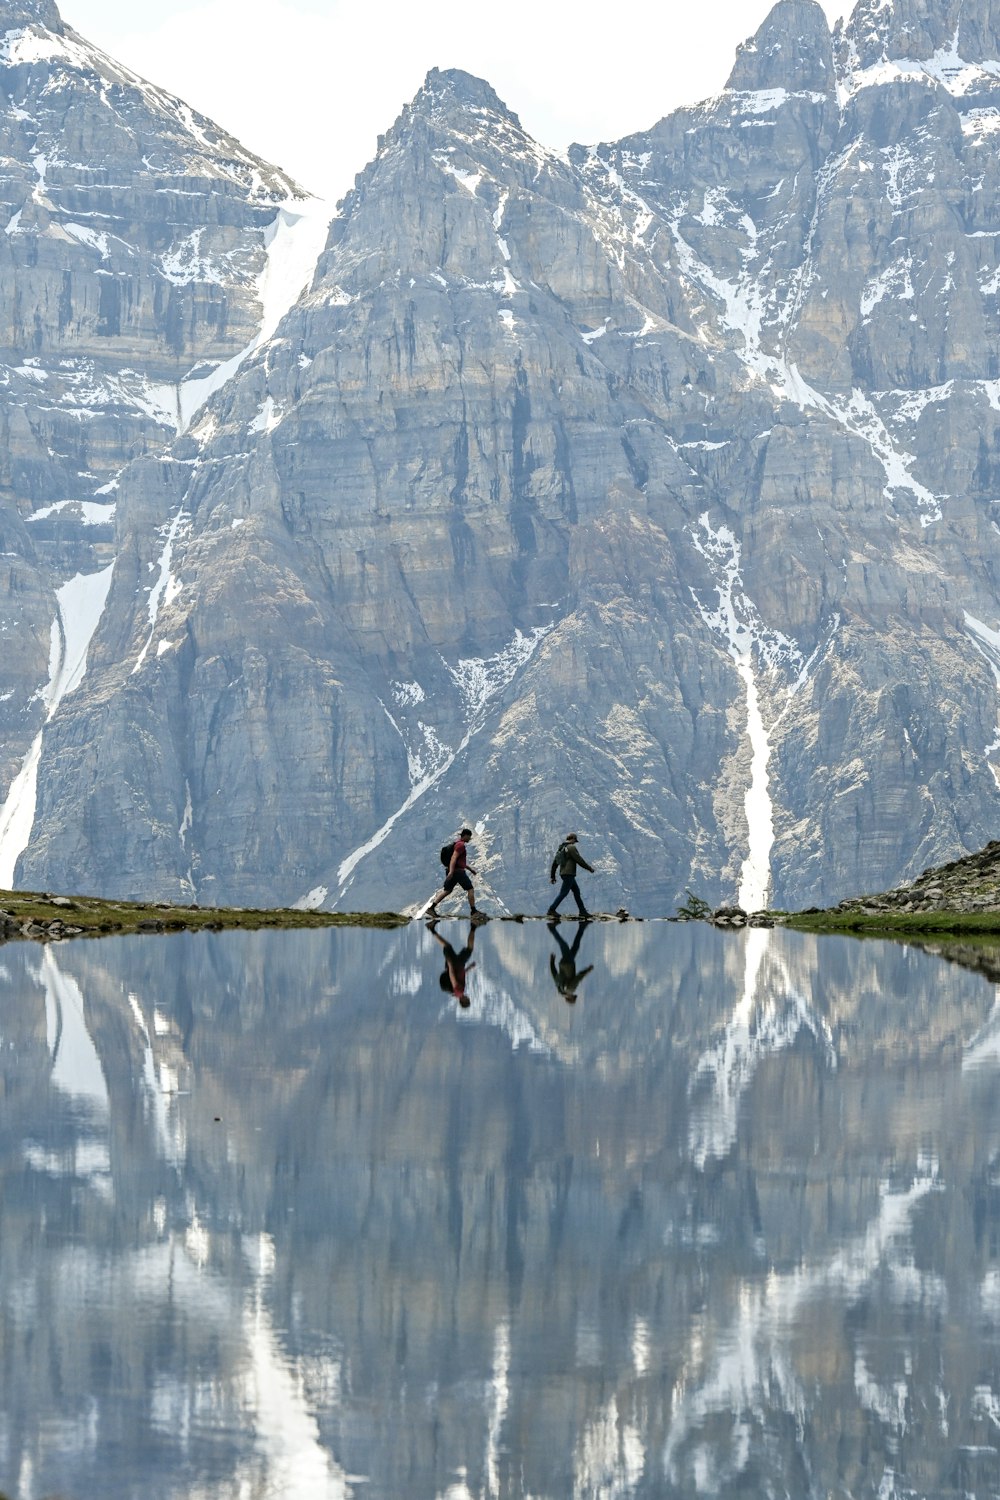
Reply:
x=987, y=643
x=738, y=623
x=166, y=586
x=294, y=242
x=79, y=605
x=479, y=681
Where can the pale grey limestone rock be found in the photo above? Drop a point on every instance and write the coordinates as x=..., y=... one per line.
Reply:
x=132, y=234
x=650, y=491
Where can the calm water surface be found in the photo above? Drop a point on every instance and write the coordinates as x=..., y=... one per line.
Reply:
x=282, y=1219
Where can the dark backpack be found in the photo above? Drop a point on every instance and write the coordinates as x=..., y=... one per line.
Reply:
x=447, y=850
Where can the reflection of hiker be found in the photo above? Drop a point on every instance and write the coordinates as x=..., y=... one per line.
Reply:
x=459, y=873
x=456, y=965
x=566, y=861
x=568, y=978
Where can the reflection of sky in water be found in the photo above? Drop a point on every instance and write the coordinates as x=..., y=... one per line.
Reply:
x=282, y=1219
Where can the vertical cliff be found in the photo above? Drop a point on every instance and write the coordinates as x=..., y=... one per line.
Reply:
x=648, y=490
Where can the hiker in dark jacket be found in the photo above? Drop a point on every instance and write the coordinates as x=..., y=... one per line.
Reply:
x=459, y=873
x=567, y=860
x=567, y=977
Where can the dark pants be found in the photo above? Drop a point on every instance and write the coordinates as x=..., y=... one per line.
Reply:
x=569, y=884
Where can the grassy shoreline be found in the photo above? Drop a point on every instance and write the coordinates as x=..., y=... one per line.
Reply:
x=39, y=914
x=917, y=924
x=96, y=916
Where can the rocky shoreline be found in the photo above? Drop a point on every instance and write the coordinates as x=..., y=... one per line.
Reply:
x=43, y=917
x=960, y=898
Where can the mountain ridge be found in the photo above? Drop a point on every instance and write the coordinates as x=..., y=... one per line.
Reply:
x=488, y=530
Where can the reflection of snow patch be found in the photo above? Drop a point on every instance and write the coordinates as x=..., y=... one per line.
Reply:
x=76, y=1067
x=749, y=1366
x=767, y=1019
x=492, y=1005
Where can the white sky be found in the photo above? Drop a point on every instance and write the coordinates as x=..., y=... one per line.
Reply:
x=310, y=84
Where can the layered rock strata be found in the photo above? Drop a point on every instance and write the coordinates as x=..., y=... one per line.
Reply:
x=649, y=491
x=134, y=260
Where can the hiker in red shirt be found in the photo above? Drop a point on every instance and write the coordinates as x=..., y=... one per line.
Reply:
x=459, y=873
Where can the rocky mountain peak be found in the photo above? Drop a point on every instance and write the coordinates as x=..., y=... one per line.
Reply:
x=17, y=13
x=922, y=30
x=792, y=50
x=446, y=90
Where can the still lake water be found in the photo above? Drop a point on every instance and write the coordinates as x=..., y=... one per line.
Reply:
x=281, y=1220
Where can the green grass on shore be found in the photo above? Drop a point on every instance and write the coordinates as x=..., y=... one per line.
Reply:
x=896, y=924
x=98, y=916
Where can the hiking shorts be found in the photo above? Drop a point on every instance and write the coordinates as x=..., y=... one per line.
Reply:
x=461, y=878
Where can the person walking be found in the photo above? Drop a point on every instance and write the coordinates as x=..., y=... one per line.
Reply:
x=567, y=861
x=460, y=872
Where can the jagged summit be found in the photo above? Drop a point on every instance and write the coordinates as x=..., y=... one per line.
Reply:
x=15, y=13
x=445, y=87
x=793, y=50
x=920, y=30
x=649, y=489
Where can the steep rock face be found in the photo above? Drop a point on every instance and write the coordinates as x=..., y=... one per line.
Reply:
x=650, y=491
x=446, y=484
x=133, y=242
x=792, y=51
x=944, y=33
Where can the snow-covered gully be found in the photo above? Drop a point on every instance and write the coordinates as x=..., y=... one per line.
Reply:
x=756, y=649
x=80, y=604
x=479, y=681
x=294, y=243
x=722, y=551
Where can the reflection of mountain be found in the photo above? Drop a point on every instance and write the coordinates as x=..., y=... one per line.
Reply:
x=769, y=1017
x=342, y=1228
